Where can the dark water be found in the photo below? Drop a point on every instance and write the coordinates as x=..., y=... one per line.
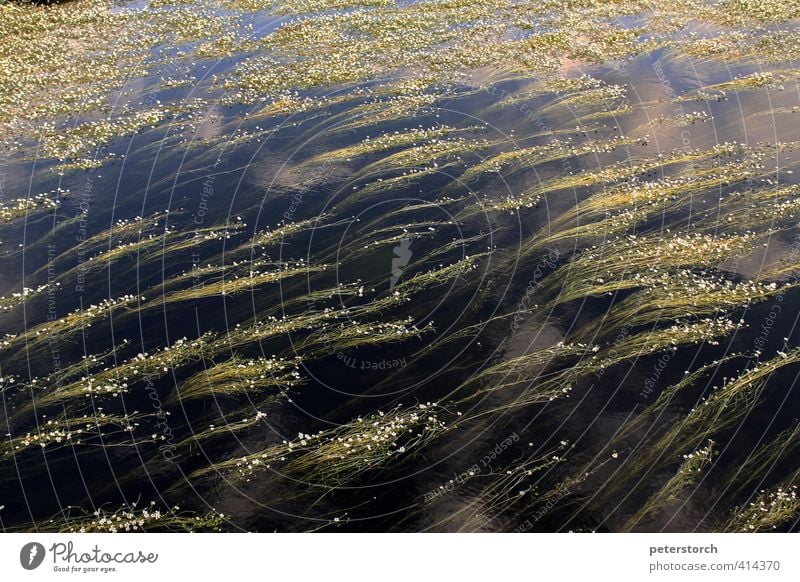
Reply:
x=257, y=182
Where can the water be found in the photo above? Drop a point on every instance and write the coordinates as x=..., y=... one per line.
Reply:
x=210, y=176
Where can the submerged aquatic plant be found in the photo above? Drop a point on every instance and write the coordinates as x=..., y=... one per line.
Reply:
x=240, y=377
x=12, y=209
x=130, y=518
x=464, y=126
x=767, y=512
x=686, y=476
x=114, y=381
x=338, y=456
x=88, y=430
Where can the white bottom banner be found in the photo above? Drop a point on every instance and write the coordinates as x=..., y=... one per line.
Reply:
x=381, y=557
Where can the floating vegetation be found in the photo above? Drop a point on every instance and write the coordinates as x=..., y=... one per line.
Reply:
x=763, y=460
x=226, y=224
x=79, y=143
x=130, y=518
x=637, y=262
x=769, y=510
x=236, y=283
x=27, y=206
x=764, y=209
x=766, y=80
x=687, y=476
x=71, y=432
x=683, y=119
x=522, y=369
x=398, y=139
x=9, y=302
x=76, y=321
x=722, y=408
x=681, y=294
x=336, y=457
x=441, y=275
x=741, y=12
x=238, y=376
x=113, y=382
x=507, y=163
x=227, y=428
x=505, y=491
x=338, y=337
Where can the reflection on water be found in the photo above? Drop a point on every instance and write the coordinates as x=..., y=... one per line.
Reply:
x=419, y=266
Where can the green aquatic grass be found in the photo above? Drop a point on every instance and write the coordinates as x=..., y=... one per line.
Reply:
x=724, y=407
x=637, y=262
x=239, y=376
x=72, y=432
x=27, y=207
x=679, y=294
x=131, y=519
x=501, y=493
x=116, y=380
x=340, y=455
x=767, y=512
x=235, y=283
x=686, y=477
x=659, y=237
